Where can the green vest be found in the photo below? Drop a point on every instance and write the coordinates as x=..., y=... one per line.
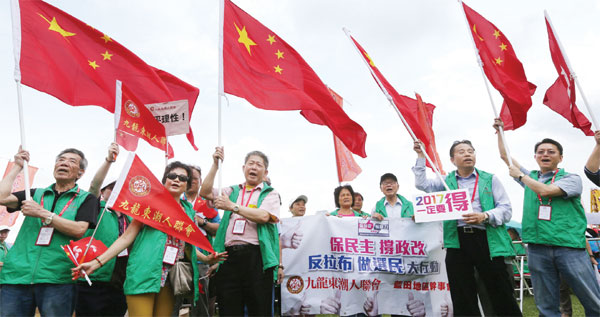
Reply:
x=499, y=241
x=144, y=267
x=406, y=212
x=107, y=232
x=268, y=236
x=27, y=263
x=356, y=213
x=3, y=251
x=567, y=225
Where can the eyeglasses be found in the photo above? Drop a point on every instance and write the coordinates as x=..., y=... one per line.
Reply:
x=173, y=176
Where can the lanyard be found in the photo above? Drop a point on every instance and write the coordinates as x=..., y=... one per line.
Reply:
x=65, y=207
x=249, y=197
x=474, y=188
x=551, y=182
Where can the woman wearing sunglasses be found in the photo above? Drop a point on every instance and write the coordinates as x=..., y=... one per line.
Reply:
x=147, y=286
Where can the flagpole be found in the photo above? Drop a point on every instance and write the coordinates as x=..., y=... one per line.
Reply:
x=221, y=88
x=167, y=151
x=87, y=278
x=487, y=86
x=94, y=233
x=393, y=105
x=573, y=74
x=22, y=131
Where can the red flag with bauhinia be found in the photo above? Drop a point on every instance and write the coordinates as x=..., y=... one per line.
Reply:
x=139, y=194
x=422, y=127
x=347, y=168
x=134, y=121
x=502, y=68
x=262, y=68
x=70, y=60
x=75, y=250
x=560, y=97
x=9, y=218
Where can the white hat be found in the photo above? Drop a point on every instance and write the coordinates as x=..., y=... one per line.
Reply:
x=111, y=181
x=301, y=197
x=2, y=228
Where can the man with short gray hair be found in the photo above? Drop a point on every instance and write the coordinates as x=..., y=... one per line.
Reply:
x=36, y=272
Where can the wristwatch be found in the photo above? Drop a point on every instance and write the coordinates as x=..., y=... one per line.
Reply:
x=236, y=208
x=487, y=218
x=203, y=222
x=48, y=219
x=521, y=177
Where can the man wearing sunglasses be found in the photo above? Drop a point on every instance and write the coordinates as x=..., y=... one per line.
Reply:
x=249, y=235
x=36, y=269
x=479, y=241
x=554, y=226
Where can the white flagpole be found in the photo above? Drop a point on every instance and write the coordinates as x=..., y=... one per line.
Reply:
x=87, y=278
x=487, y=86
x=22, y=131
x=221, y=88
x=573, y=74
x=393, y=105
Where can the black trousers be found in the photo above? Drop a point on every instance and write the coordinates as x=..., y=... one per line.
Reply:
x=461, y=263
x=241, y=282
x=100, y=299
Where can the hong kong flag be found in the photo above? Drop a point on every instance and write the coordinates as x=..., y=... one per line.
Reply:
x=75, y=250
x=140, y=195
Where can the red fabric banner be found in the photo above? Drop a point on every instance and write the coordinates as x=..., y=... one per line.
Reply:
x=347, y=168
x=262, y=68
x=75, y=250
x=502, y=68
x=140, y=195
x=420, y=120
x=72, y=61
x=9, y=218
x=560, y=97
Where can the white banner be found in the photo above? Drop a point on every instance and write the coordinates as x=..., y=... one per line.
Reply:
x=351, y=265
x=174, y=115
x=446, y=205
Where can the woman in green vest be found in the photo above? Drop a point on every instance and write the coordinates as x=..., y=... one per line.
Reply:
x=147, y=285
x=344, y=199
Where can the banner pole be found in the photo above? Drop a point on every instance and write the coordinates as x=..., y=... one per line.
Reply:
x=573, y=74
x=393, y=105
x=487, y=86
x=221, y=88
x=23, y=147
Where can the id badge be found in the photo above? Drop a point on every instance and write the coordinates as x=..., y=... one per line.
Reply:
x=123, y=253
x=170, y=255
x=239, y=226
x=45, y=236
x=545, y=212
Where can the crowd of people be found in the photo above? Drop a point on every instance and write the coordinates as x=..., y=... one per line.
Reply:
x=135, y=274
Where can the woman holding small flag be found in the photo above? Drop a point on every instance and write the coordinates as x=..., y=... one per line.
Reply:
x=153, y=255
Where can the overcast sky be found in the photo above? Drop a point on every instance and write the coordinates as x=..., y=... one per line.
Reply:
x=420, y=46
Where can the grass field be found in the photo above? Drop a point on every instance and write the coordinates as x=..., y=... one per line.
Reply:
x=530, y=310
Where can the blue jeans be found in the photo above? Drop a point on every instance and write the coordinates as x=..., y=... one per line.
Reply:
x=545, y=265
x=50, y=299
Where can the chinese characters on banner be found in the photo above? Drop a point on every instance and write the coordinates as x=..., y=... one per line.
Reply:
x=346, y=266
x=447, y=205
x=173, y=115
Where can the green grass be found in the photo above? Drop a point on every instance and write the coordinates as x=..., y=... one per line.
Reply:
x=529, y=308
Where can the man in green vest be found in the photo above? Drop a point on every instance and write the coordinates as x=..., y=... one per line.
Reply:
x=554, y=226
x=479, y=241
x=36, y=271
x=392, y=204
x=249, y=235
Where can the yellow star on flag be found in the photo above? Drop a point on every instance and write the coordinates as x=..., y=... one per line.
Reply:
x=244, y=39
x=503, y=47
x=279, y=54
x=278, y=69
x=271, y=39
x=93, y=64
x=106, y=55
x=499, y=61
x=106, y=38
x=496, y=34
x=56, y=28
x=475, y=31
x=370, y=60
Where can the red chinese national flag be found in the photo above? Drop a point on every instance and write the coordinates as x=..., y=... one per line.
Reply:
x=347, y=168
x=560, y=97
x=140, y=195
x=262, y=68
x=419, y=118
x=9, y=218
x=133, y=120
x=70, y=60
x=502, y=68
